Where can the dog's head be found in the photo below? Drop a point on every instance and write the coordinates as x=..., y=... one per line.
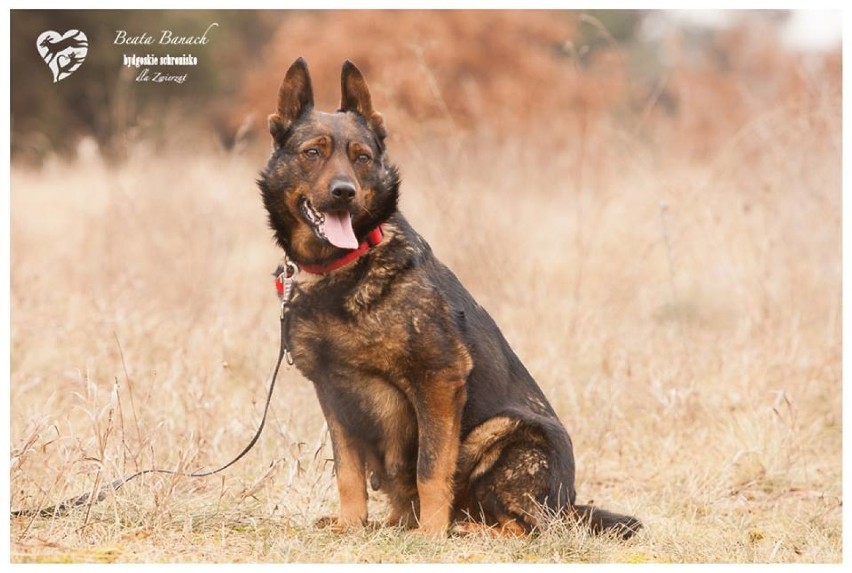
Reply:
x=328, y=183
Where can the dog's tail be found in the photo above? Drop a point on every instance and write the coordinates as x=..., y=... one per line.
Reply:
x=603, y=521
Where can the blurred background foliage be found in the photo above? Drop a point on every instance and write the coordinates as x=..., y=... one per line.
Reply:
x=437, y=71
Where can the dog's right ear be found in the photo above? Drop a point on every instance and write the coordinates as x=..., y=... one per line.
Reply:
x=295, y=96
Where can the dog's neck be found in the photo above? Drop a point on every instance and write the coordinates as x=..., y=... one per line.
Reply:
x=373, y=239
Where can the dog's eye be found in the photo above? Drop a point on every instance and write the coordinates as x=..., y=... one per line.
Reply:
x=363, y=158
x=311, y=153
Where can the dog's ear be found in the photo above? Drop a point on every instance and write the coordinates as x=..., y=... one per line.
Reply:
x=355, y=96
x=295, y=96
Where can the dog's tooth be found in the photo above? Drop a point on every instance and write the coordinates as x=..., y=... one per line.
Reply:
x=315, y=218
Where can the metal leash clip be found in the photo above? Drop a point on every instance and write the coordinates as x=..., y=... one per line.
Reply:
x=285, y=283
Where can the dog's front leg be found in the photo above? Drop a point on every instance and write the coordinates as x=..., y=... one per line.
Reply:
x=351, y=477
x=438, y=409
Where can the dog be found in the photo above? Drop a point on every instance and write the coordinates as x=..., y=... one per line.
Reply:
x=423, y=397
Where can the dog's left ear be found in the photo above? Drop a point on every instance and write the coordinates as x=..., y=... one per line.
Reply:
x=355, y=96
x=295, y=97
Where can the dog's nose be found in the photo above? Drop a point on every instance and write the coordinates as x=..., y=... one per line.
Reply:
x=343, y=190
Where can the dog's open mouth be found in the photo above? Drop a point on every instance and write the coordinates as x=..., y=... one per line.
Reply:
x=332, y=226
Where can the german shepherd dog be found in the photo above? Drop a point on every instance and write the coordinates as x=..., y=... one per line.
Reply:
x=423, y=397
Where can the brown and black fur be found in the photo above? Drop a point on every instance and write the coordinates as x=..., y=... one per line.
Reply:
x=423, y=396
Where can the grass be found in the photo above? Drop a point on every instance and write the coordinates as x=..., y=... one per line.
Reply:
x=682, y=315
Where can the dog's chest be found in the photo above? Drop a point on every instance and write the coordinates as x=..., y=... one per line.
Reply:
x=405, y=329
x=370, y=364
x=359, y=367
x=326, y=345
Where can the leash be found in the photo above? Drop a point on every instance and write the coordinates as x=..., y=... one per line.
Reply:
x=285, y=277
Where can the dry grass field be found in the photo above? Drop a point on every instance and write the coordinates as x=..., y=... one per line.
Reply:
x=679, y=303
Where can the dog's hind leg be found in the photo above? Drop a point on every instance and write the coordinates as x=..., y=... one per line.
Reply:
x=517, y=492
x=400, y=484
x=512, y=494
x=403, y=505
x=509, y=528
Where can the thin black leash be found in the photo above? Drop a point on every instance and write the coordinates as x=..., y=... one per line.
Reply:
x=286, y=277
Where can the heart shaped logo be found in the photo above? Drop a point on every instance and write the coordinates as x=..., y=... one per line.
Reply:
x=63, y=53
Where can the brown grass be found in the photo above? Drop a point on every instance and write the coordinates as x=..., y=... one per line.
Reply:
x=679, y=303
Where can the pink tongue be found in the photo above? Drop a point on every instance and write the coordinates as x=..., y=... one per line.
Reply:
x=338, y=230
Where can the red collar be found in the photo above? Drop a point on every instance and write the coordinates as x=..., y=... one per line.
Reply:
x=373, y=239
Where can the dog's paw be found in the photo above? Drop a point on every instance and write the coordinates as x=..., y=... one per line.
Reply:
x=336, y=525
x=436, y=530
x=326, y=522
x=401, y=519
x=468, y=528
